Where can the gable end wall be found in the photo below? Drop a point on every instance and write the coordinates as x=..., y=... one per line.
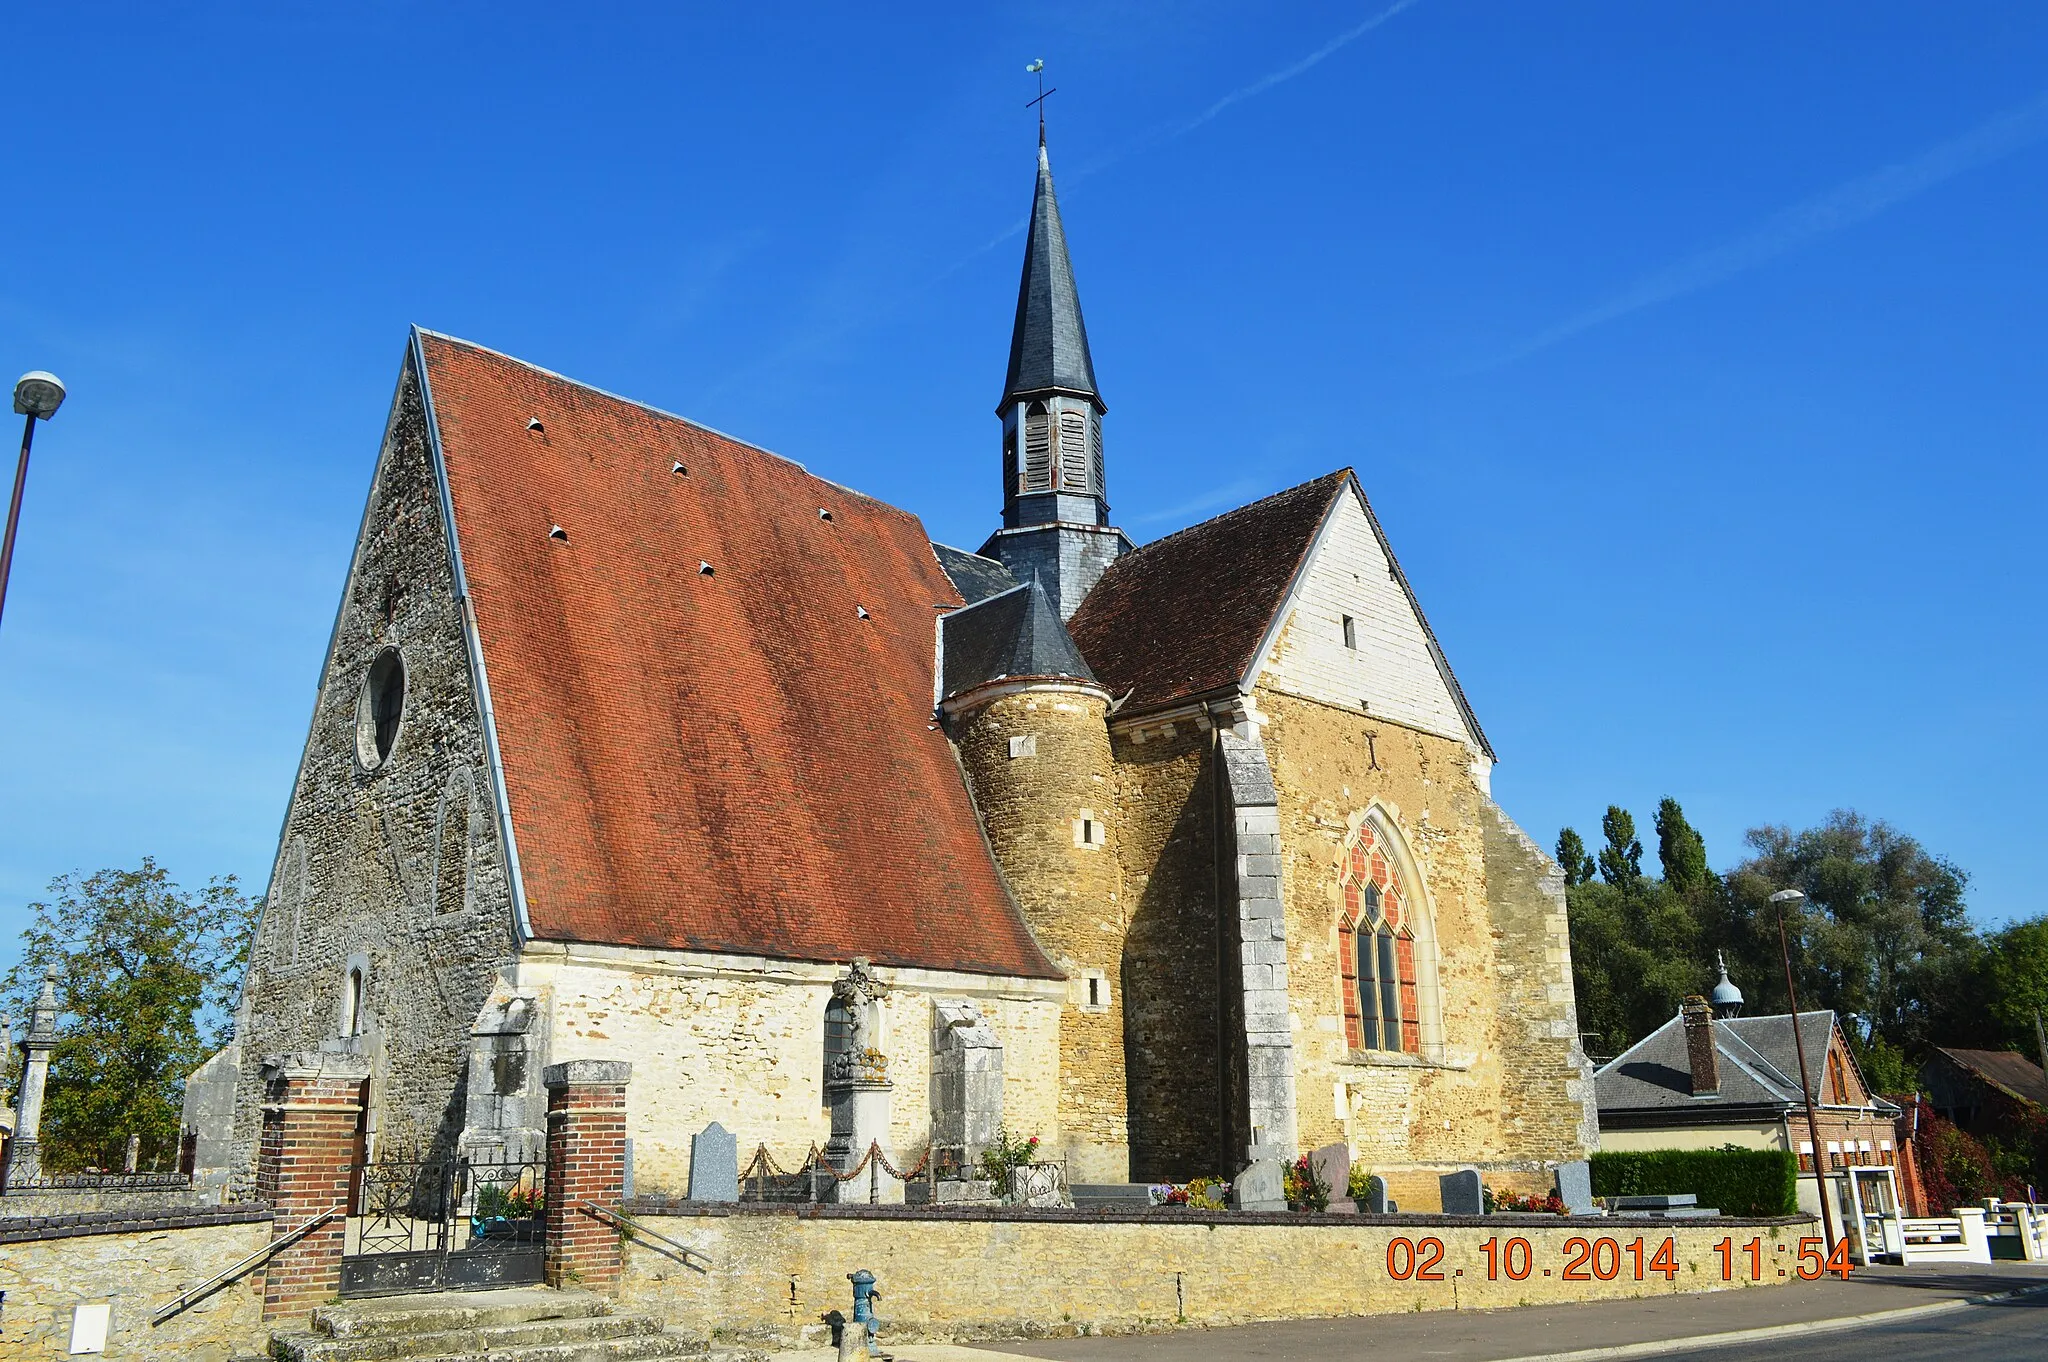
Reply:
x=358, y=874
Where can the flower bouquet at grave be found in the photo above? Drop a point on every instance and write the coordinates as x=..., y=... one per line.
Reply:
x=1304, y=1189
x=1359, y=1185
x=1553, y=1204
x=1005, y=1154
x=1202, y=1194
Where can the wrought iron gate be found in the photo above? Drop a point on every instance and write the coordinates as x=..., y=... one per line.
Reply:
x=445, y=1223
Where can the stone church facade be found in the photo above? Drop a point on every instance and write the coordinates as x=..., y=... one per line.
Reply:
x=632, y=737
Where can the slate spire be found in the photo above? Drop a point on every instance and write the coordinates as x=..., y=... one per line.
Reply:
x=1049, y=343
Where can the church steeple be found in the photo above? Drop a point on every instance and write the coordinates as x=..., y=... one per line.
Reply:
x=1051, y=408
x=1055, y=505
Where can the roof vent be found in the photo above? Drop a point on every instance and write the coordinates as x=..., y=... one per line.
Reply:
x=679, y=470
x=533, y=424
x=557, y=532
x=705, y=569
x=861, y=611
x=824, y=514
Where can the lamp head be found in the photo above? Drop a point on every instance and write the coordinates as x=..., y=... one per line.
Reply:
x=1788, y=898
x=38, y=394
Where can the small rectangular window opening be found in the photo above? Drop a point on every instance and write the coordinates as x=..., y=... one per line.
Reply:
x=1024, y=745
x=1350, y=632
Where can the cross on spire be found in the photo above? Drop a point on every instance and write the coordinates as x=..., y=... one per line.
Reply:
x=1037, y=68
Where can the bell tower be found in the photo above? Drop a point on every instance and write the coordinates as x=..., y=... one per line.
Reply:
x=1055, y=499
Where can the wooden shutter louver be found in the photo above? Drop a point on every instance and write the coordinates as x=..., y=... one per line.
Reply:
x=1037, y=449
x=1095, y=454
x=1074, y=451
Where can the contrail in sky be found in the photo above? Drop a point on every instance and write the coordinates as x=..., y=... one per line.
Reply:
x=1843, y=206
x=1287, y=73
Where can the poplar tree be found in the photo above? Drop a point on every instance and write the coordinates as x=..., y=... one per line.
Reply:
x=1571, y=854
x=1621, y=860
x=1681, y=849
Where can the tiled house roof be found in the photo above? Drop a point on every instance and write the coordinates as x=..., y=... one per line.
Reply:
x=2004, y=1069
x=977, y=578
x=1758, y=1065
x=1184, y=615
x=729, y=758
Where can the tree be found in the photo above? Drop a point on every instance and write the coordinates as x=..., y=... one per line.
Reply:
x=1681, y=850
x=2017, y=966
x=1883, y=937
x=1571, y=854
x=146, y=979
x=1621, y=860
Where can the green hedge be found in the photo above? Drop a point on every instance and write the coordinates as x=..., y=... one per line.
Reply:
x=1736, y=1181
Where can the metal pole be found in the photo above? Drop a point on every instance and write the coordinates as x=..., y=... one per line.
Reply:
x=28, y=435
x=1820, y=1176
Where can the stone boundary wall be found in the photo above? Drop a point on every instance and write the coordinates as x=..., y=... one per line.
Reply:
x=767, y=1275
x=139, y=1263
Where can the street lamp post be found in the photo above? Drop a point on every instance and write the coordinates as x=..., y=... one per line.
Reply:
x=37, y=395
x=1820, y=1176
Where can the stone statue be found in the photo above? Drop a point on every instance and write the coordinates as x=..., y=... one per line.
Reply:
x=857, y=990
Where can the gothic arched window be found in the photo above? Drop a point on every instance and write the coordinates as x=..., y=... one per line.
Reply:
x=1386, y=948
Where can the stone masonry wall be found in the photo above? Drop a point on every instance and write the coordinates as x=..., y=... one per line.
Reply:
x=1507, y=1094
x=1070, y=893
x=138, y=1264
x=767, y=1278
x=1167, y=844
x=740, y=1041
x=359, y=871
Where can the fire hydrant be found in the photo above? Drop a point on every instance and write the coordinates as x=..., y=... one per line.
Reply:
x=857, y=1337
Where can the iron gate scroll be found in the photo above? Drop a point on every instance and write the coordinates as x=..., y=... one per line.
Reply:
x=445, y=1224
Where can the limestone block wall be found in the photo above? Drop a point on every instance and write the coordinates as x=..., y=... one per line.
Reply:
x=137, y=1263
x=1509, y=1091
x=768, y=1277
x=740, y=1040
x=1039, y=803
x=402, y=867
x=1167, y=844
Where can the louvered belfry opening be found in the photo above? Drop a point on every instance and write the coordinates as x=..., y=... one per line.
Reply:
x=1037, y=449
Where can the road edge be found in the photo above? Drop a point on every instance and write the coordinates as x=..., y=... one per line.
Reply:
x=1812, y=1326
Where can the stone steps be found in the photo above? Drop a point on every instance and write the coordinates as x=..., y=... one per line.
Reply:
x=520, y=1325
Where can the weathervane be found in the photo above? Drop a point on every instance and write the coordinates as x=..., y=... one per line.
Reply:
x=1037, y=68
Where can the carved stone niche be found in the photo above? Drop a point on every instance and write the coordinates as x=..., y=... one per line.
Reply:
x=505, y=1111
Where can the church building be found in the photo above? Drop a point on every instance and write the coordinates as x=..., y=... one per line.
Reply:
x=634, y=739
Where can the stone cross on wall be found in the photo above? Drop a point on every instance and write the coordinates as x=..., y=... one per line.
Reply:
x=24, y=1154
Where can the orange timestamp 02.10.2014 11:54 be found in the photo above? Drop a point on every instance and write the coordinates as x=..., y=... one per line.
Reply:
x=1607, y=1259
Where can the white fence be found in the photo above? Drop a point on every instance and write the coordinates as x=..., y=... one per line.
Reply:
x=1936, y=1239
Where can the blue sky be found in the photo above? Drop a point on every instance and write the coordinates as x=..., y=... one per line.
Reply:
x=1692, y=354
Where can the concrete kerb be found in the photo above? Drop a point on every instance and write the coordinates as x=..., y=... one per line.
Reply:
x=1659, y=1347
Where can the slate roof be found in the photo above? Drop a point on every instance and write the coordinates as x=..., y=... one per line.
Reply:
x=733, y=761
x=1012, y=636
x=2002, y=1069
x=1759, y=1065
x=976, y=578
x=1049, y=343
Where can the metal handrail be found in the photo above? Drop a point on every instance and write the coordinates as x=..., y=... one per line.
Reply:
x=207, y=1288
x=628, y=1223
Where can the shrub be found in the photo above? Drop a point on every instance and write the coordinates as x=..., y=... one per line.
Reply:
x=1736, y=1181
x=1005, y=1153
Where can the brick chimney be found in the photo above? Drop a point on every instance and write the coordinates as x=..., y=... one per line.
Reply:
x=1699, y=1047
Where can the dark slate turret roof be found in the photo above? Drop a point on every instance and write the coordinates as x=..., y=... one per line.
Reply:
x=976, y=578
x=1049, y=345
x=1013, y=635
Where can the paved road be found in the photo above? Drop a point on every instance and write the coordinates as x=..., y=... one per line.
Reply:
x=2007, y=1331
x=1488, y=1335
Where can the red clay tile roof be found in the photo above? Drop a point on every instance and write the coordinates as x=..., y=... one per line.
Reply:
x=1184, y=615
x=732, y=762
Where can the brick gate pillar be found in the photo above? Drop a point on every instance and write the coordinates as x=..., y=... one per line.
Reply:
x=304, y=1167
x=586, y=1162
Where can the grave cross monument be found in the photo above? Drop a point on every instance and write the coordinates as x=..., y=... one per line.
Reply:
x=858, y=1092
